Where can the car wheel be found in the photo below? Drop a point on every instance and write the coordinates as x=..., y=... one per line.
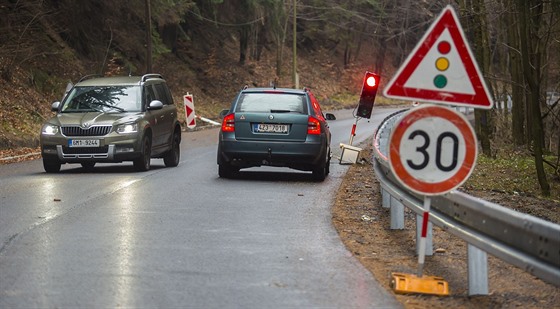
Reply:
x=328, y=165
x=51, y=165
x=225, y=170
x=171, y=158
x=142, y=164
x=88, y=166
x=320, y=171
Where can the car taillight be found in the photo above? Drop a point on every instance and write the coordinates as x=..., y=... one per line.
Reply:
x=313, y=126
x=228, y=124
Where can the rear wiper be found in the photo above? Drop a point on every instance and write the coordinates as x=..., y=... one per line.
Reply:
x=280, y=111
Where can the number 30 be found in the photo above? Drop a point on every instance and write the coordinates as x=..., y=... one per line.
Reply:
x=426, y=155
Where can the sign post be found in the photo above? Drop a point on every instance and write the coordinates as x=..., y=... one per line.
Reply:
x=433, y=149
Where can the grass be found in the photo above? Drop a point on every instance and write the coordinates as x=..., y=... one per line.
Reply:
x=512, y=174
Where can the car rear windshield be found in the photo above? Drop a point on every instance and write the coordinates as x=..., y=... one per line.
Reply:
x=272, y=102
x=103, y=99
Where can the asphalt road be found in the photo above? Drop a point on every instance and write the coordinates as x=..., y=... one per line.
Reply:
x=180, y=237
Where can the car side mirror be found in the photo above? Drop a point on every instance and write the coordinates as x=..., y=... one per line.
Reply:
x=55, y=106
x=155, y=104
x=223, y=113
x=330, y=116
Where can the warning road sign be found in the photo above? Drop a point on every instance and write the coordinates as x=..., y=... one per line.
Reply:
x=441, y=68
x=190, y=116
x=432, y=150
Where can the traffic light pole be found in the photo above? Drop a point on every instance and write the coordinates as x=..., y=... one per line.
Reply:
x=353, y=133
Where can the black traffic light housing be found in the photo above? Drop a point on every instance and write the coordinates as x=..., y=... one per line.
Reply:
x=367, y=97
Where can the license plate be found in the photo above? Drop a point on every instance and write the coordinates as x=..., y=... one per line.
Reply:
x=83, y=143
x=270, y=128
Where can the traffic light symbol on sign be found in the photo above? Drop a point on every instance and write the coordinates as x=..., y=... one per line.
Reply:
x=367, y=97
x=442, y=64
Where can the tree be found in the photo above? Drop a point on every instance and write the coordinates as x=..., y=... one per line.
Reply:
x=474, y=13
x=532, y=54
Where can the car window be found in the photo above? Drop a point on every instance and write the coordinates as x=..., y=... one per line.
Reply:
x=316, y=106
x=268, y=102
x=161, y=94
x=149, y=94
x=102, y=99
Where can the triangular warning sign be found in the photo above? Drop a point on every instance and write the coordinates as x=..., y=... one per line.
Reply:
x=441, y=68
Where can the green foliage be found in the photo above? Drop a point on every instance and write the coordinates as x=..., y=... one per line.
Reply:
x=158, y=48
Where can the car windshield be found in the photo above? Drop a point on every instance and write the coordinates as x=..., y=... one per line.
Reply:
x=272, y=102
x=115, y=99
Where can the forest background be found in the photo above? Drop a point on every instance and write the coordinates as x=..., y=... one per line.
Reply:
x=211, y=48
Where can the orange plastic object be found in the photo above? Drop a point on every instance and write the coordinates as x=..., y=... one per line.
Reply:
x=412, y=284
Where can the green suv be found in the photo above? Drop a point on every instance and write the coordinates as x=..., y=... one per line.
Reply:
x=113, y=119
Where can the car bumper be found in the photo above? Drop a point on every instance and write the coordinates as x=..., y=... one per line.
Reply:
x=109, y=150
x=298, y=155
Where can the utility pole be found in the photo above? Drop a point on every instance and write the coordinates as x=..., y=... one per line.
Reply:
x=148, y=37
x=295, y=74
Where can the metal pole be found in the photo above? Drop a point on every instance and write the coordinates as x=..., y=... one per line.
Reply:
x=148, y=37
x=422, y=253
x=295, y=77
x=353, y=133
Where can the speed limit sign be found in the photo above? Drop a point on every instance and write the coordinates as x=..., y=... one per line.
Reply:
x=432, y=150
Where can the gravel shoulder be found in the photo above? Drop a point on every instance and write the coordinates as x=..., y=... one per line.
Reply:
x=363, y=226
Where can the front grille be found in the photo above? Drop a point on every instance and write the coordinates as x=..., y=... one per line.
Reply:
x=92, y=131
x=85, y=150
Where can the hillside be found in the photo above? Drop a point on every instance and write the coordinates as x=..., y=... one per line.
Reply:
x=205, y=63
x=213, y=80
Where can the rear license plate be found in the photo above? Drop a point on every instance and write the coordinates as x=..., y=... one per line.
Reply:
x=270, y=128
x=83, y=143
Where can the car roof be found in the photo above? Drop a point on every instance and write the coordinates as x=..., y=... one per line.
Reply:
x=274, y=90
x=117, y=80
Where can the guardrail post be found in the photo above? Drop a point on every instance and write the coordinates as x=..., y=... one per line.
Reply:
x=429, y=244
x=477, y=270
x=385, y=199
x=397, y=214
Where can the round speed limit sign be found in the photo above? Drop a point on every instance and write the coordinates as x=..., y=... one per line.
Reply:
x=432, y=150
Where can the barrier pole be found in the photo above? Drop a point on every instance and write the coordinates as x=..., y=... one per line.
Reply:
x=422, y=253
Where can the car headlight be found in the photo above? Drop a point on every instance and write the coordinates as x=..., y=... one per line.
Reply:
x=49, y=129
x=127, y=128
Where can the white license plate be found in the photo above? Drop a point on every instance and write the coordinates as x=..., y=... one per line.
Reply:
x=271, y=128
x=83, y=143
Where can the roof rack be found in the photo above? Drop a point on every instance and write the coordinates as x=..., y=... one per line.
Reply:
x=90, y=76
x=305, y=89
x=145, y=77
x=245, y=87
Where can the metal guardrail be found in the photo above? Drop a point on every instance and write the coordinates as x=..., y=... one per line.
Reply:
x=525, y=241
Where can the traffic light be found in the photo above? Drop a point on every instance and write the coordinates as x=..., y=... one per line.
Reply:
x=367, y=97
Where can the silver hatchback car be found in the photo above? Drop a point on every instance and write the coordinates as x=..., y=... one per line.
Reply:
x=275, y=127
x=113, y=119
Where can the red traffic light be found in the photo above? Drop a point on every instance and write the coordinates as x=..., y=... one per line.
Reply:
x=367, y=97
x=371, y=81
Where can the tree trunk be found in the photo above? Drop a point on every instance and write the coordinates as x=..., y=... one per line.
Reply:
x=518, y=122
x=244, y=33
x=483, y=119
x=531, y=53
